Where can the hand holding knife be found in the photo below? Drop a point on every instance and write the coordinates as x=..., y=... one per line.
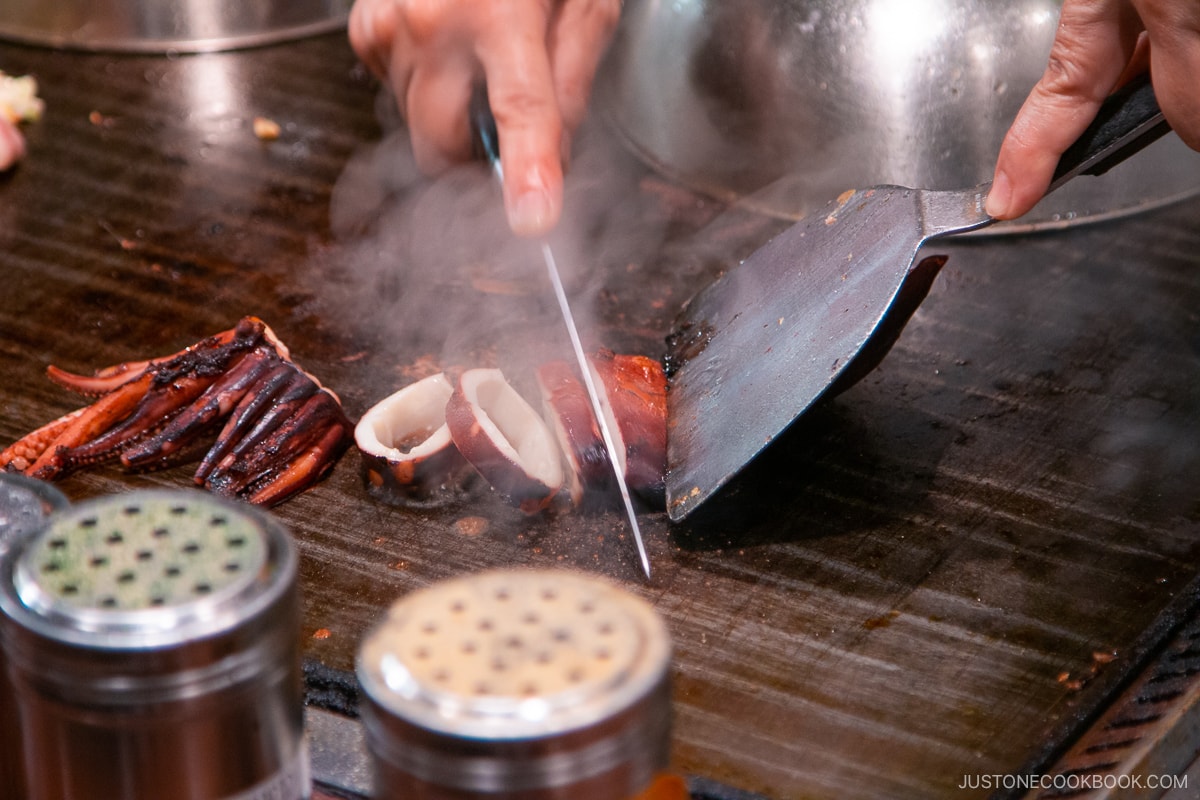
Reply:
x=485, y=129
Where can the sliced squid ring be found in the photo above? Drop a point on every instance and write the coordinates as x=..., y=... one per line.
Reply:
x=505, y=439
x=408, y=456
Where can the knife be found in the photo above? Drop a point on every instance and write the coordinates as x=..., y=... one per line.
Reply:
x=485, y=128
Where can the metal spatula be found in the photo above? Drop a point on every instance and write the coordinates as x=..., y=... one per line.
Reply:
x=818, y=306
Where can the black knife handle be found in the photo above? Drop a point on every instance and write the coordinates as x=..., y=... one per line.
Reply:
x=485, y=141
x=1128, y=120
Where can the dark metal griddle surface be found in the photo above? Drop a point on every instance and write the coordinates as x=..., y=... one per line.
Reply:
x=909, y=588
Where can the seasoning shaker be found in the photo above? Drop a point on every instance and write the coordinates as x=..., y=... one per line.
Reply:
x=25, y=507
x=530, y=684
x=153, y=646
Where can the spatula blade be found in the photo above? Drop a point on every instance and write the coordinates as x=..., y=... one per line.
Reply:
x=794, y=322
x=768, y=339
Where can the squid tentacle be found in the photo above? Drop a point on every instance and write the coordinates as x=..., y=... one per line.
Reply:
x=285, y=406
x=19, y=455
x=106, y=379
x=216, y=401
x=95, y=420
x=302, y=472
x=245, y=415
x=298, y=432
x=161, y=403
x=282, y=430
x=102, y=382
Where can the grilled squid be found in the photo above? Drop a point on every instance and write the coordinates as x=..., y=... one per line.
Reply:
x=633, y=398
x=408, y=456
x=416, y=442
x=267, y=429
x=568, y=410
x=505, y=439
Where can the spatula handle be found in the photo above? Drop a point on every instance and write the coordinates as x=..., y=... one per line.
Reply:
x=1127, y=121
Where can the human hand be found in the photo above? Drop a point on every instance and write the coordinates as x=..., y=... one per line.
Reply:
x=12, y=143
x=538, y=59
x=1098, y=46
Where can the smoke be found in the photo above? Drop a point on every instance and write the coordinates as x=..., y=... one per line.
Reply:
x=427, y=271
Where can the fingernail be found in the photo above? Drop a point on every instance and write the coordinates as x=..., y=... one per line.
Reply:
x=529, y=215
x=1000, y=197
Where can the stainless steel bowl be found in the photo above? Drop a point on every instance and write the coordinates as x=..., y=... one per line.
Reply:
x=785, y=104
x=156, y=26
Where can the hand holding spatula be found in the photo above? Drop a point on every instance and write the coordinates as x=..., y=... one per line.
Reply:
x=797, y=320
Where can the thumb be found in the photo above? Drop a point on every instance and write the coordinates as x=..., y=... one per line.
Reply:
x=1175, y=65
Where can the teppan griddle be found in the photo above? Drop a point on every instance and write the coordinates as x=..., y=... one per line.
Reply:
x=911, y=588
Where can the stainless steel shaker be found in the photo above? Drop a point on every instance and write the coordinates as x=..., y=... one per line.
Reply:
x=153, y=647
x=528, y=684
x=25, y=507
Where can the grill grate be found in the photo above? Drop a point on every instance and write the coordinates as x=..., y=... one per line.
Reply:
x=1147, y=732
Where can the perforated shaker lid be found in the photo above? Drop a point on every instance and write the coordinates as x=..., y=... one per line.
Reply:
x=514, y=654
x=151, y=567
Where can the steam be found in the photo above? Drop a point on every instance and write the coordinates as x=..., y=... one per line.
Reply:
x=427, y=268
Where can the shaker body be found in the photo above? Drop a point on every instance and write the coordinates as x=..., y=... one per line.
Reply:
x=26, y=506
x=153, y=646
x=518, y=684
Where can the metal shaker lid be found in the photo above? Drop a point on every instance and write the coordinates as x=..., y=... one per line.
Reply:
x=148, y=569
x=514, y=654
x=25, y=505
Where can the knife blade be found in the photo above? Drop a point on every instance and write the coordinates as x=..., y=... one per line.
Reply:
x=485, y=128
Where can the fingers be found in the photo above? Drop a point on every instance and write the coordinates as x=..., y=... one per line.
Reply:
x=578, y=39
x=437, y=100
x=1139, y=62
x=12, y=144
x=530, y=129
x=538, y=59
x=1173, y=28
x=1094, y=42
x=539, y=81
x=422, y=49
x=372, y=29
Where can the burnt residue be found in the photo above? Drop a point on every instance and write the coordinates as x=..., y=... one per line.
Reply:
x=332, y=689
x=686, y=342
